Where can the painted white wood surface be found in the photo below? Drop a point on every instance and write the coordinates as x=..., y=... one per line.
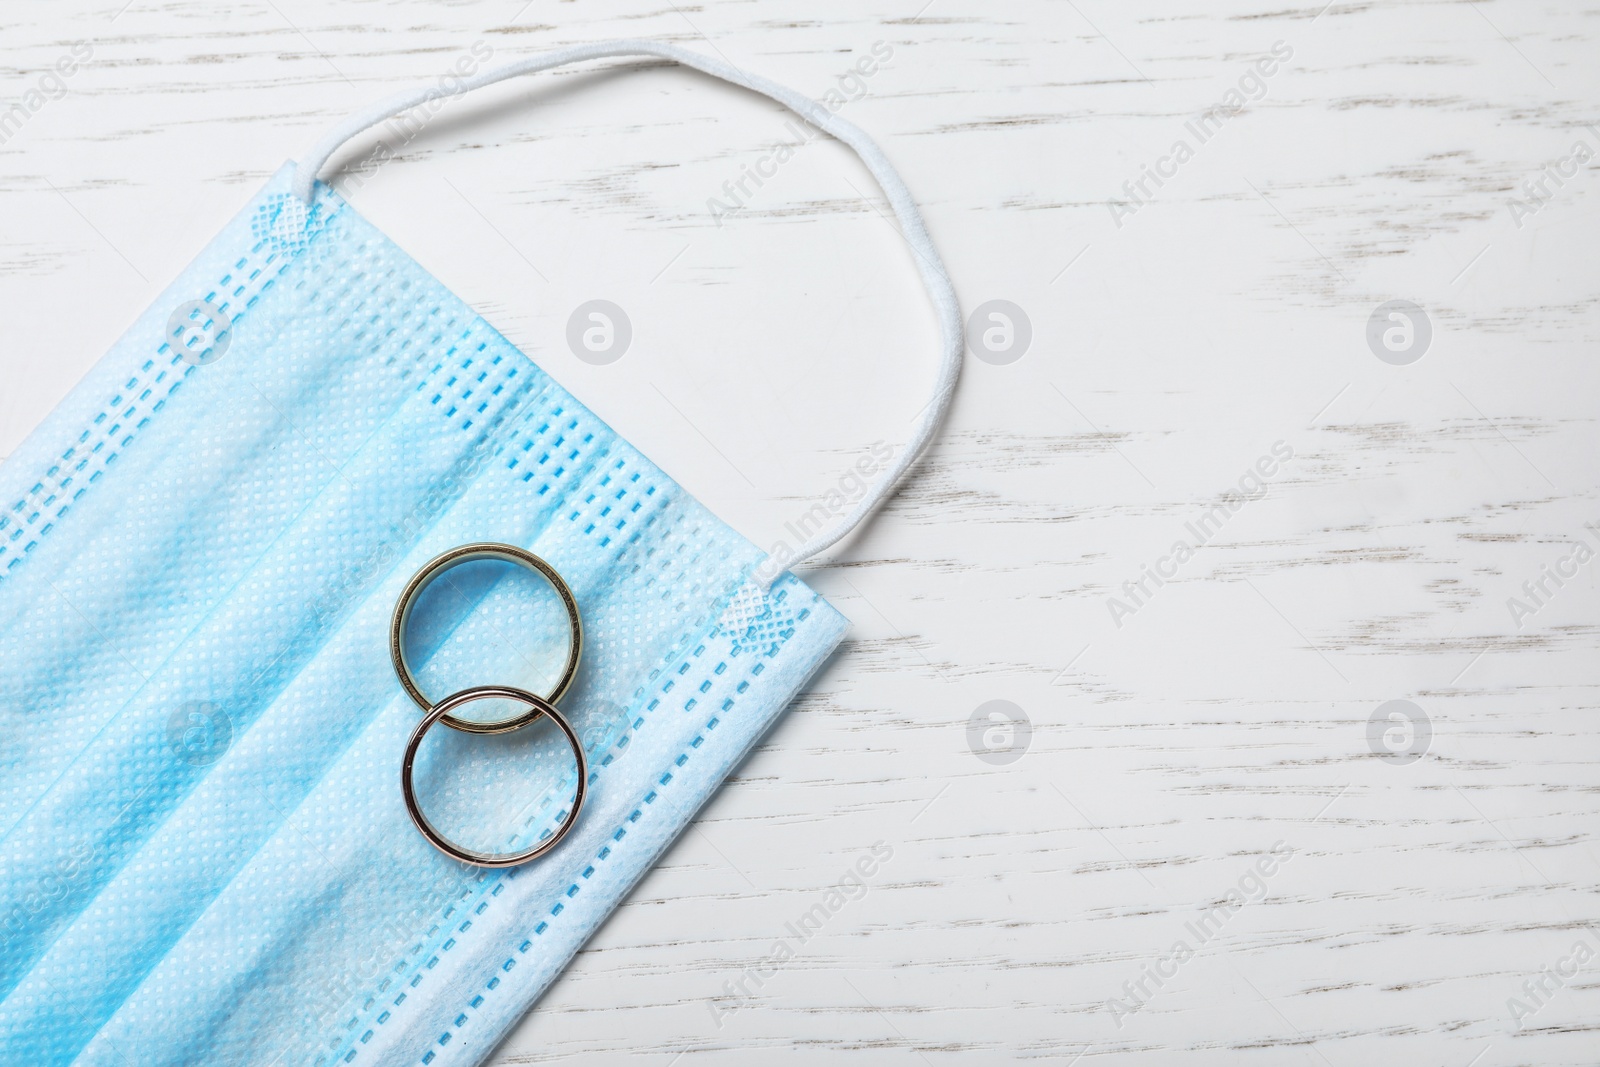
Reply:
x=1169, y=754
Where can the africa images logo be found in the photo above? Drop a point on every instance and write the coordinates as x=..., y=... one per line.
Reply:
x=852, y=885
x=846, y=493
x=199, y=733
x=999, y=733
x=1250, y=88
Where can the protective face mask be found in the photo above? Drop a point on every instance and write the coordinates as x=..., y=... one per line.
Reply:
x=205, y=855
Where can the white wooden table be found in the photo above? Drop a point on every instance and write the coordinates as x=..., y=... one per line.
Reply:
x=1086, y=888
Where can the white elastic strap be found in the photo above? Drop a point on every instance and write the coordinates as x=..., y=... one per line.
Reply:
x=911, y=227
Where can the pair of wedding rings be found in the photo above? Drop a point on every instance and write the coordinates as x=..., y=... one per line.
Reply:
x=444, y=710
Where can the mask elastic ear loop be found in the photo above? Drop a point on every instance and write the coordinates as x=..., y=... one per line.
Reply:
x=931, y=267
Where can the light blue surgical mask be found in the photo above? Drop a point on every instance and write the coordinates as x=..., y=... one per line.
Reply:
x=205, y=854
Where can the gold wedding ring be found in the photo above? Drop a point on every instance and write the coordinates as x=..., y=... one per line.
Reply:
x=438, y=567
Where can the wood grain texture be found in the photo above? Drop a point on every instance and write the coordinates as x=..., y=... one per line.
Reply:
x=1172, y=748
